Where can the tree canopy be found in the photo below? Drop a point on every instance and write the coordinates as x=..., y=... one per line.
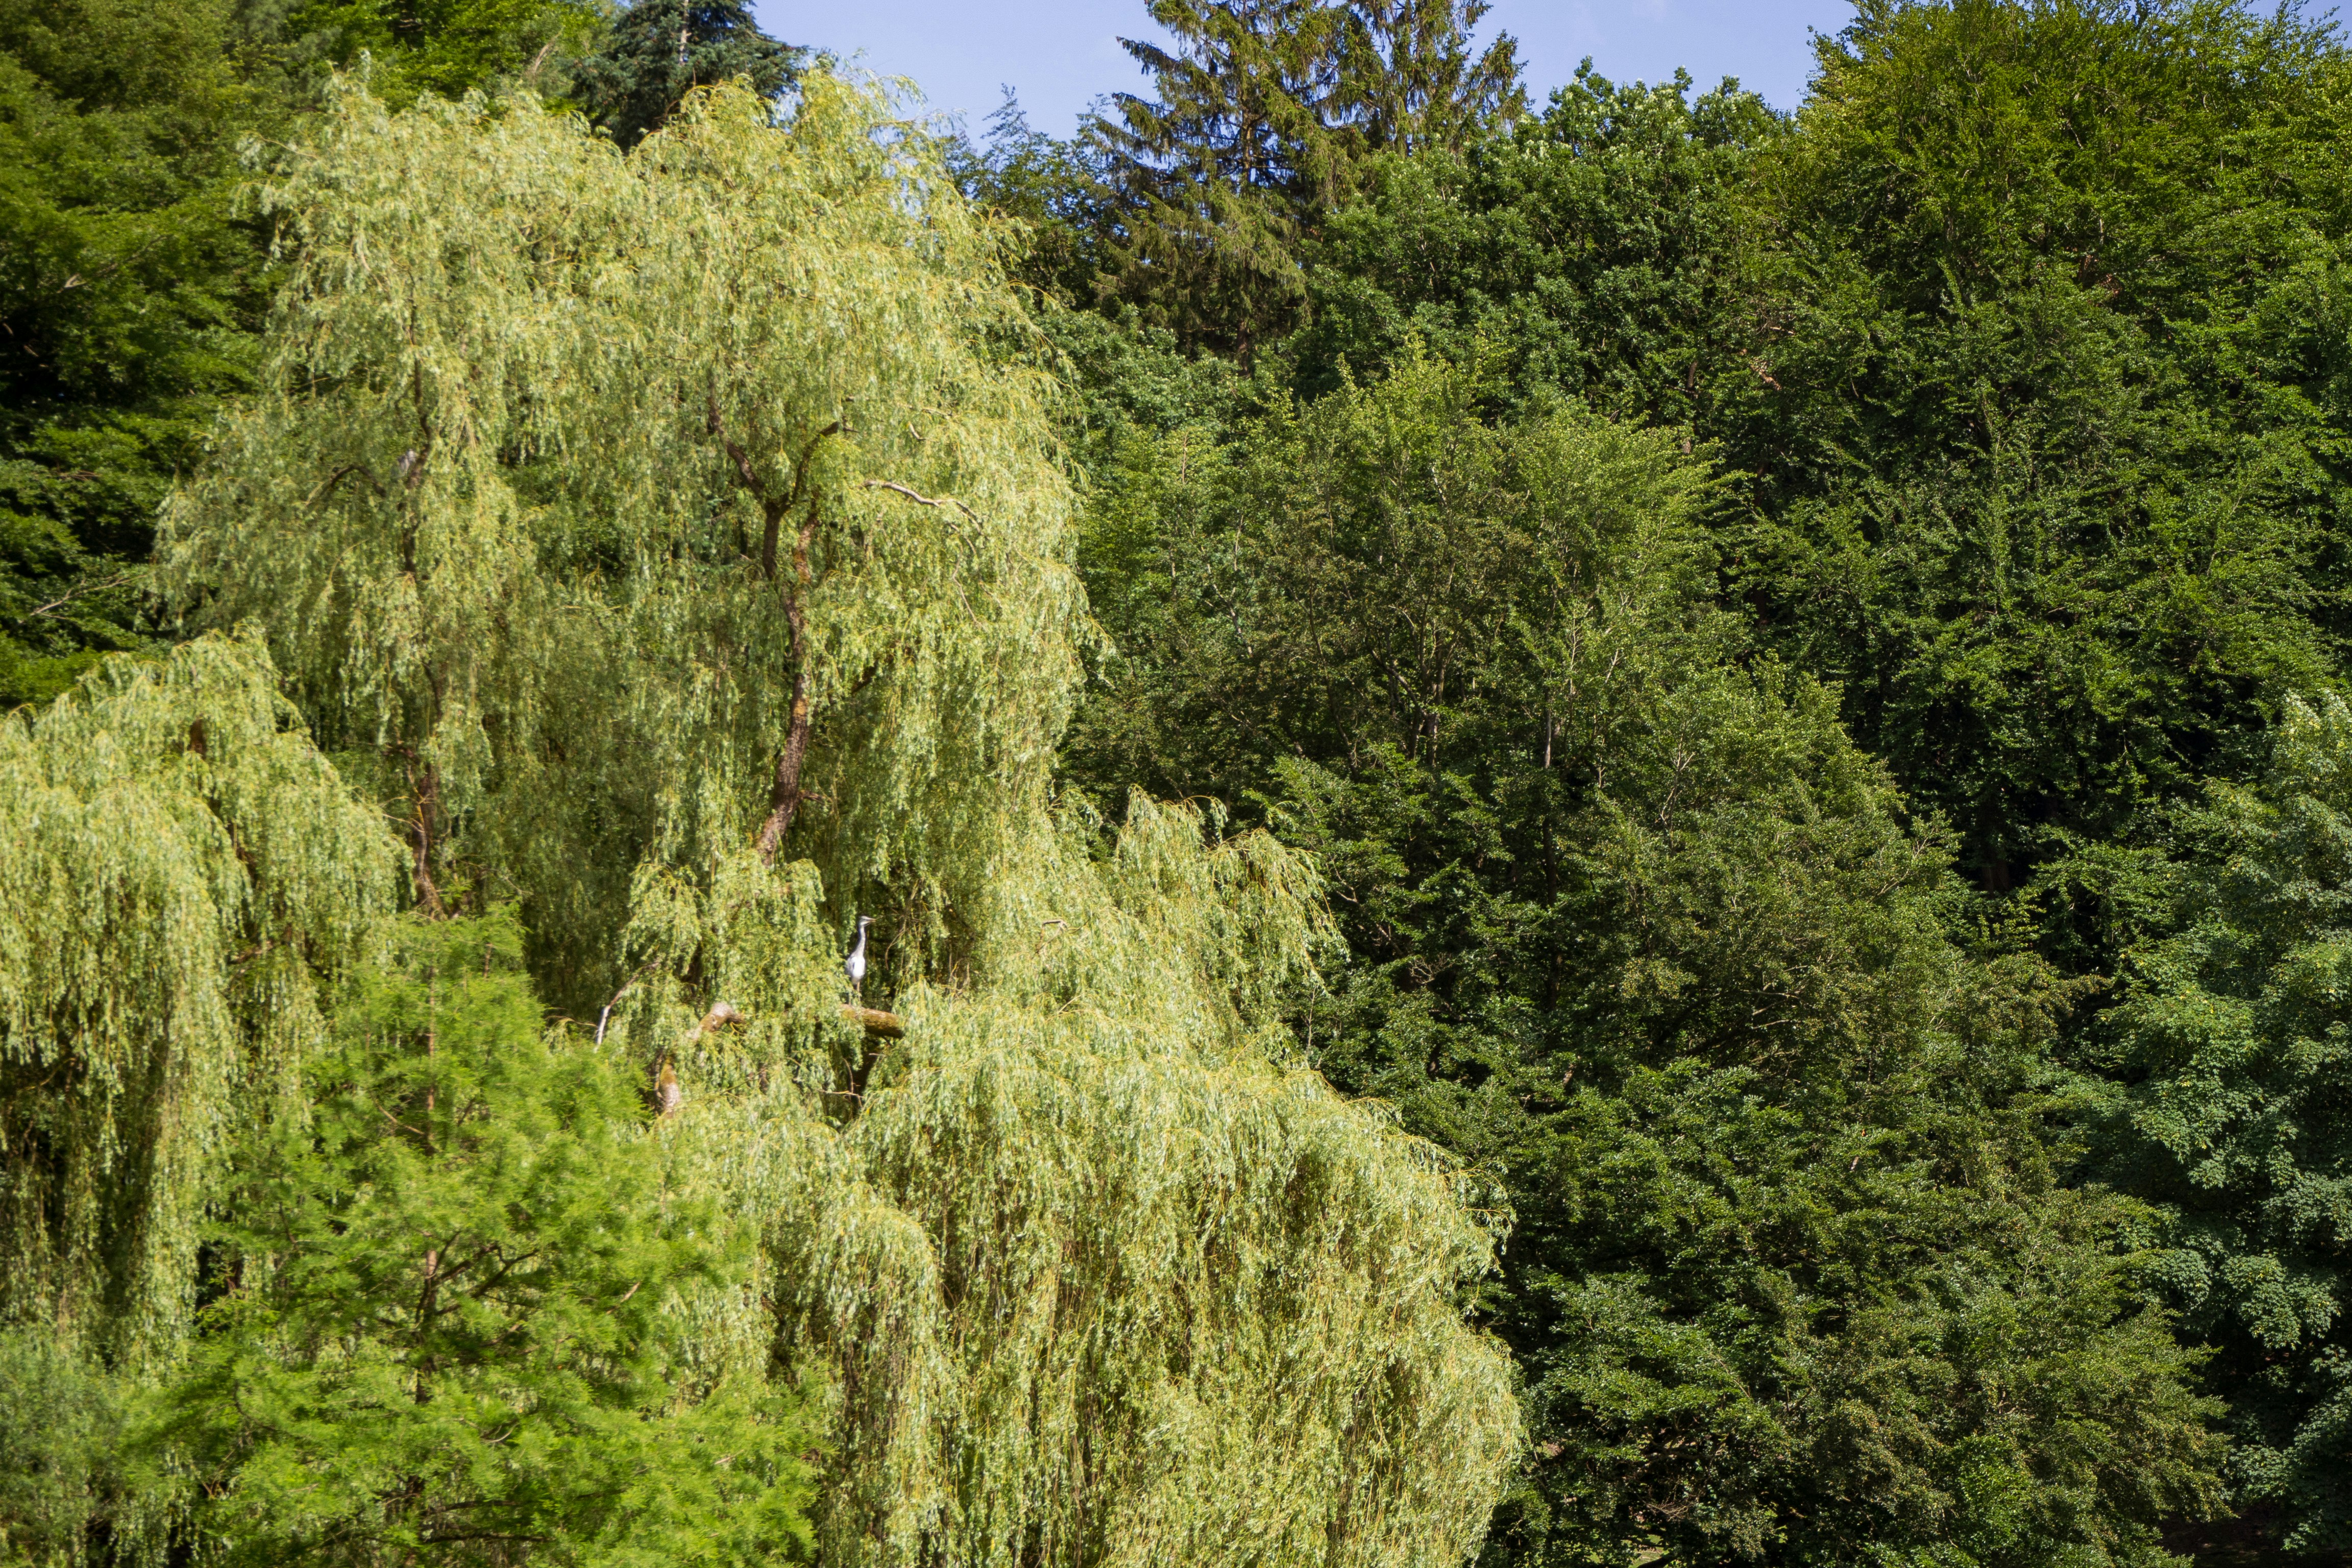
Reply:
x=1600, y=828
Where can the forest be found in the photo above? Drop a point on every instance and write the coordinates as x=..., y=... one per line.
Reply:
x=1358, y=822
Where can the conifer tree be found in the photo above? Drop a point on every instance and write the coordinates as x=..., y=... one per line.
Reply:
x=1637, y=927
x=1409, y=81
x=1263, y=111
x=660, y=50
x=455, y=1321
x=2228, y=1055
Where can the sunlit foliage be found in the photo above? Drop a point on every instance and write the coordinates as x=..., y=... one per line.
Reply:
x=455, y=1320
x=677, y=539
x=178, y=866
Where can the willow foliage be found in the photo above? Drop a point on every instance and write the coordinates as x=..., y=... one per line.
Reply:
x=1100, y=1276
x=177, y=863
x=675, y=539
x=621, y=505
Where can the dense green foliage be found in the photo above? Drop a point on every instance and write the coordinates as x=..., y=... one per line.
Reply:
x=1090, y=1268
x=1266, y=111
x=64, y=1481
x=126, y=285
x=179, y=873
x=659, y=51
x=135, y=276
x=1639, y=929
x=2229, y=1042
x=1747, y=967
x=455, y=1314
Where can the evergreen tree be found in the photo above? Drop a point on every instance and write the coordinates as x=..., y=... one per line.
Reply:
x=1602, y=250
x=2049, y=460
x=133, y=280
x=1636, y=928
x=456, y=1321
x=1410, y=83
x=2228, y=1059
x=1264, y=110
x=660, y=50
x=127, y=294
x=446, y=46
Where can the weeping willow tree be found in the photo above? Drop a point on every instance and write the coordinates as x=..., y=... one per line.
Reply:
x=1097, y=1273
x=618, y=508
x=179, y=867
x=674, y=540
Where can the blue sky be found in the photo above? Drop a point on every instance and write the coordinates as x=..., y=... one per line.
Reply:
x=1059, y=54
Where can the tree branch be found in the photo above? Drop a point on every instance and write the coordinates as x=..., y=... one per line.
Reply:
x=919, y=499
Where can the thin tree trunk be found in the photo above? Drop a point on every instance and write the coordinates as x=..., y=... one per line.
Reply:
x=784, y=795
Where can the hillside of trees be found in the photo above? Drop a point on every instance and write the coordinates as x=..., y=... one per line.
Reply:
x=1373, y=820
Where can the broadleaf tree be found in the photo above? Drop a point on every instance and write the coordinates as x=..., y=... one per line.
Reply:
x=674, y=540
x=181, y=872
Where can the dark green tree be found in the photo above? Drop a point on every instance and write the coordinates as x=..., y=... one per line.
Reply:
x=134, y=274
x=457, y=1315
x=1051, y=189
x=127, y=286
x=2043, y=394
x=1262, y=112
x=1637, y=929
x=659, y=51
x=1598, y=250
x=2231, y=1052
x=1411, y=79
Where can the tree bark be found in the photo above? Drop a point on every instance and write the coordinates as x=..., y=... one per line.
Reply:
x=784, y=793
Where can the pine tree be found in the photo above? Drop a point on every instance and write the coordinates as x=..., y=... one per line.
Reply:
x=1264, y=109
x=1409, y=83
x=660, y=50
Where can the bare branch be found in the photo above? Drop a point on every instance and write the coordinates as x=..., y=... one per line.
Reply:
x=919, y=499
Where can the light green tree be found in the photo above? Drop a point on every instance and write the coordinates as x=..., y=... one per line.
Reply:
x=456, y=1322
x=178, y=870
x=676, y=540
x=620, y=506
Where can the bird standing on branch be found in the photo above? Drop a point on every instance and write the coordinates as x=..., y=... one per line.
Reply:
x=855, y=964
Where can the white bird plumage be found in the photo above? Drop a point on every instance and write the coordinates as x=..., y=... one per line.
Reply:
x=855, y=964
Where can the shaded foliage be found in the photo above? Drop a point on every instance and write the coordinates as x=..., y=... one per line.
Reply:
x=127, y=292
x=2229, y=1106
x=1637, y=929
x=657, y=51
